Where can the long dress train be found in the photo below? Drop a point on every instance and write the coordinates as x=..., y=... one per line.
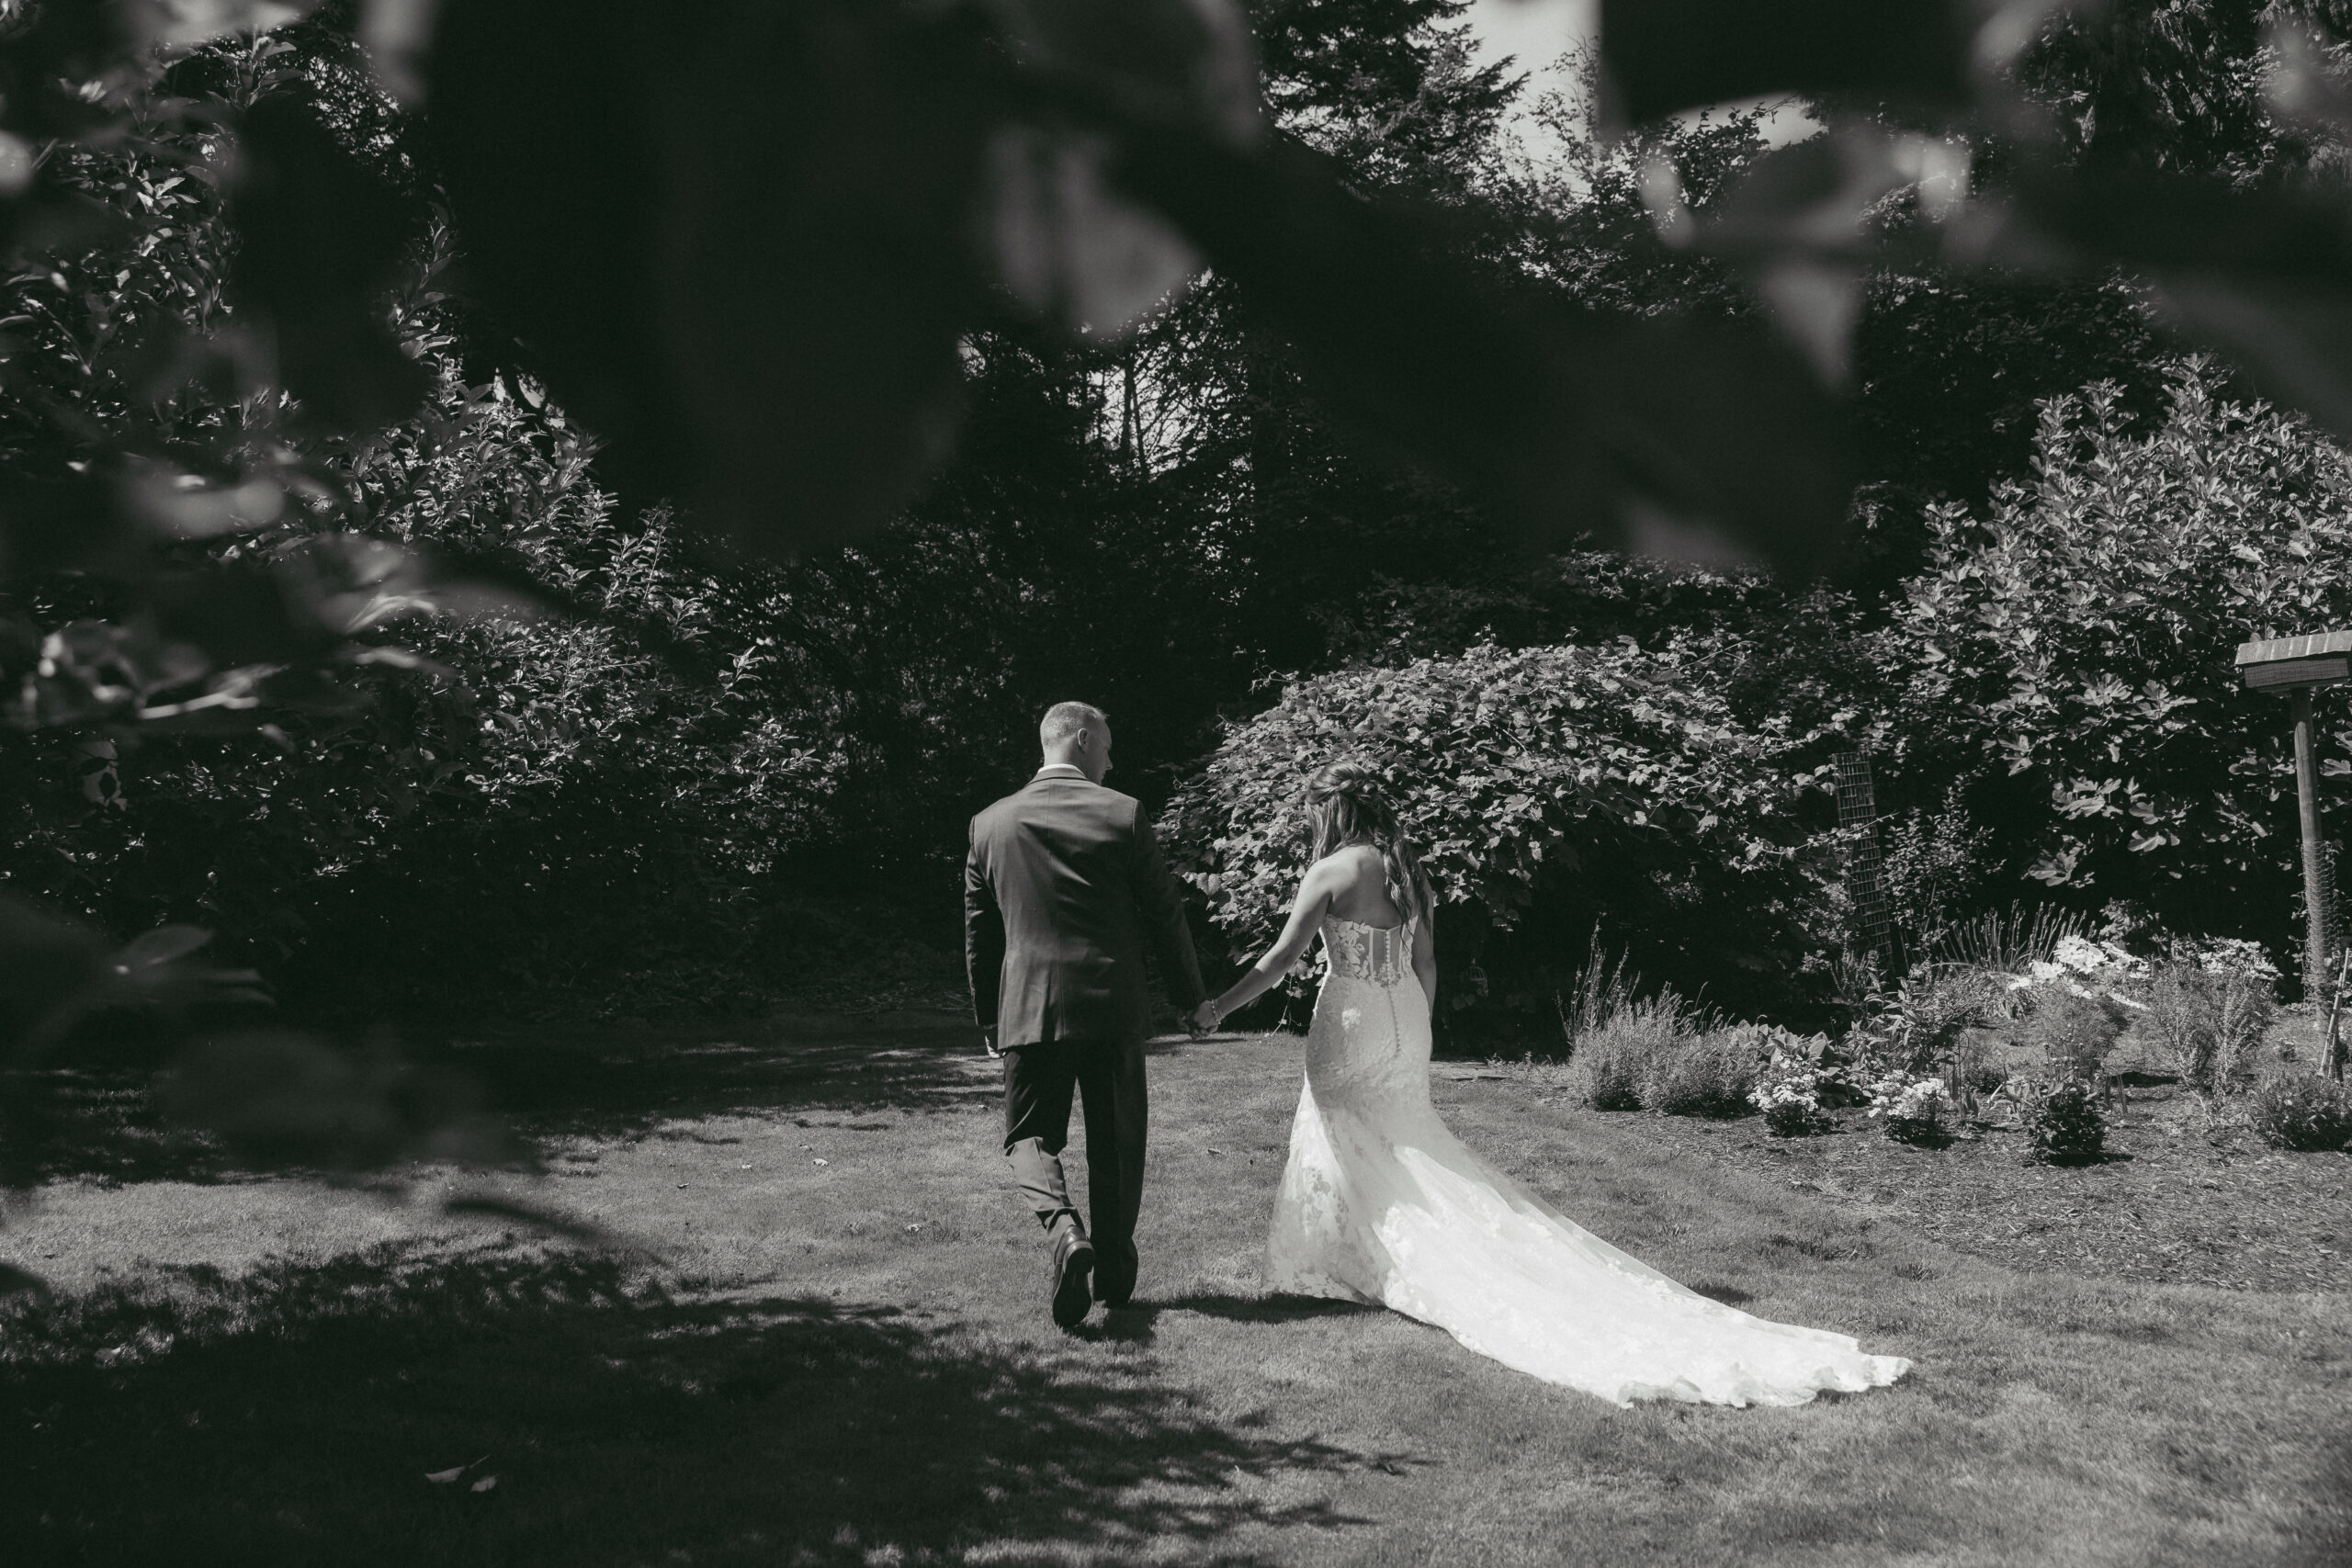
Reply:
x=1381, y=1203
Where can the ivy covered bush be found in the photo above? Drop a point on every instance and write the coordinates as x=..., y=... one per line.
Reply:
x=1549, y=791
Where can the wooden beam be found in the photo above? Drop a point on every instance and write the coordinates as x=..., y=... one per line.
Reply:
x=2312, y=645
x=2321, y=672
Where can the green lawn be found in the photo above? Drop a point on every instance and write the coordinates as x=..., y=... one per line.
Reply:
x=841, y=1354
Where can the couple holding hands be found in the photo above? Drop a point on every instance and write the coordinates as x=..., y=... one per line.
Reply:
x=1063, y=888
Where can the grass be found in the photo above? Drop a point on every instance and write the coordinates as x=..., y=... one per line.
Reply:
x=849, y=1361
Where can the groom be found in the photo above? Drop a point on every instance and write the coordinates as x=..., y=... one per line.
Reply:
x=1063, y=888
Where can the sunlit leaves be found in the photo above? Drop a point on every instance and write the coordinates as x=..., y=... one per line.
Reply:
x=2078, y=637
x=2200, y=145
x=1509, y=768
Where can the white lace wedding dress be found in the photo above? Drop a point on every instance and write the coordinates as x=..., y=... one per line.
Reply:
x=1381, y=1203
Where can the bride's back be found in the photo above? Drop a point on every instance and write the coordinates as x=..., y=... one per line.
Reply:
x=1361, y=893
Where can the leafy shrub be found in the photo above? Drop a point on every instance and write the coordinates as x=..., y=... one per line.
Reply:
x=1931, y=1007
x=1769, y=1042
x=2223, y=956
x=1792, y=1090
x=1911, y=1109
x=2061, y=1121
x=1975, y=1066
x=1594, y=777
x=1935, y=863
x=2088, y=615
x=2073, y=1032
x=515, y=808
x=2302, y=1111
x=2210, y=1021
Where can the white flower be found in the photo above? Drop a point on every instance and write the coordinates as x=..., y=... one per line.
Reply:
x=1900, y=1098
x=2228, y=955
x=2105, y=959
x=2041, y=971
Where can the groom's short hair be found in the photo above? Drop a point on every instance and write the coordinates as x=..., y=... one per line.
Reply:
x=1064, y=720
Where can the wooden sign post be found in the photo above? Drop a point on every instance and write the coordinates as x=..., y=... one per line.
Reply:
x=2295, y=665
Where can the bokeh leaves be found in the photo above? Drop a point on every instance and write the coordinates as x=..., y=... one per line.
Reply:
x=760, y=304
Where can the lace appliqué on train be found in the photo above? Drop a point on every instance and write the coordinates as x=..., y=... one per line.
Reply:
x=1381, y=1203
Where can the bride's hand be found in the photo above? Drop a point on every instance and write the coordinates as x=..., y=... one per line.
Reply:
x=1205, y=1018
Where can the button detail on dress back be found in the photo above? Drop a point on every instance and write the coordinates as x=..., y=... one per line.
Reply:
x=1376, y=953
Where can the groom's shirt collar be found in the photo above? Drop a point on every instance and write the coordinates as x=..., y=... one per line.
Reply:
x=1058, y=771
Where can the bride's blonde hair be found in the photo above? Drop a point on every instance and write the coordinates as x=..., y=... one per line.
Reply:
x=1346, y=805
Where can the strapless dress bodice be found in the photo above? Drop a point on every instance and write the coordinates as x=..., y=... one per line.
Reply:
x=1381, y=954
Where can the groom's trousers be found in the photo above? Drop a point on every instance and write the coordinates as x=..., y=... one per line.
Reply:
x=1108, y=1076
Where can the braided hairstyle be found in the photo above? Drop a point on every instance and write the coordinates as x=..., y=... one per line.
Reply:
x=1347, y=804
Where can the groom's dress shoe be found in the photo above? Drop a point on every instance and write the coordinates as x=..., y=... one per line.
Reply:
x=1073, y=1261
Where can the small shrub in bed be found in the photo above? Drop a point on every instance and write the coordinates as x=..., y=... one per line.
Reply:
x=1792, y=1105
x=1911, y=1109
x=1619, y=1056
x=2307, y=1112
x=1976, y=1063
x=2062, y=1122
x=2210, y=1017
x=1933, y=1007
x=1703, y=1074
x=2074, y=1032
x=1612, y=1074
x=1803, y=1078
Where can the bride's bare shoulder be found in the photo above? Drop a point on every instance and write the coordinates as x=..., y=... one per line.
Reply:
x=1342, y=869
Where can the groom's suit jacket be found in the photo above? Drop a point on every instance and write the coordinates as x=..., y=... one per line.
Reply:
x=1063, y=889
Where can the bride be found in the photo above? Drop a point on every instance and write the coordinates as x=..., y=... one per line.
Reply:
x=1381, y=1203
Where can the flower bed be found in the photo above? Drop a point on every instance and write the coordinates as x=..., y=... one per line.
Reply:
x=2185, y=1193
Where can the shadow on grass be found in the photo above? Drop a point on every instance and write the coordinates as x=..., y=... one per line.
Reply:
x=295, y=1416
x=1138, y=1322
x=101, y=1120
x=620, y=1085
x=1267, y=1309
x=1730, y=1295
